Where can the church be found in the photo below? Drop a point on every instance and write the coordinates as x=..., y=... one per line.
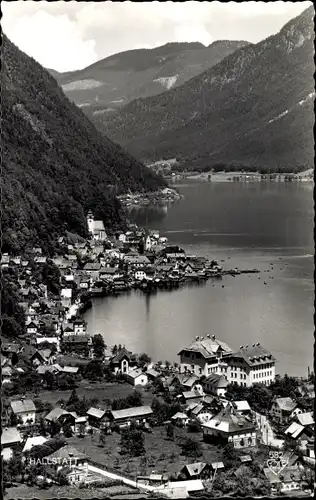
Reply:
x=96, y=228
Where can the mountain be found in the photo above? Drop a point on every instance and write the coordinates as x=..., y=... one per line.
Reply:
x=253, y=109
x=110, y=83
x=56, y=165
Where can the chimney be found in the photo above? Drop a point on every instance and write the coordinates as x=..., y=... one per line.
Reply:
x=253, y=345
x=202, y=338
x=213, y=337
x=208, y=336
x=258, y=344
x=197, y=338
x=246, y=346
x=241, y=347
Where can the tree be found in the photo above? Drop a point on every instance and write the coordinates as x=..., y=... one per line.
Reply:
x=94, y=370
x=132, y=442
x=144, y=360
x=73, y=398
x=170, y=431
x=98, y=345
x=191, y=448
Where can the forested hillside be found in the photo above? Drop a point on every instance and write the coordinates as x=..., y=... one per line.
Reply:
x=254, y=108
x=56, y=165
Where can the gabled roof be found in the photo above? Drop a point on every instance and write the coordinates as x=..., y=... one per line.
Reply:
x=229, y=422
x=96, y=412
x=136, y=373
x=34, y=441
x=285, y=404
x=137, y=411
x=55, y=414
x=196, y=468
x=10, y=435
x=242, y=405
x=152, y=372
x=22, y=405
x=208, y=347
x=179, y=415
x=186, y=380
x=306, y=418
x=67, y=452
x=120, y=355
x=254, y=355
x=191, y=394
x=98, y=225
x=216, y=380
x=294, y=430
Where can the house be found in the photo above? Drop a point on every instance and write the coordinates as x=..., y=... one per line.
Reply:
x=204, y=355
x=290, y=479
x=32, y=327
x=188, y=396
x=250, y=365
x=123, y=361
x=217, y=466
x=136, y=260
x=215, y=384
x=60, y=415
x=80, y=425
x=66, y=293
x=284, y=409
x=24, y=409
x=96, y=417
x=229, y=426
x=198, y=470
x=96, y=228
x=137, y=377
x=92, y=269
x=188, y=382
x=79, y=327
x=11, y=440
x=70, y=458
x=110, y=273
x=34, y=441
x=140, y=274
x=180, y=419
x=302, y=435
x=138, y=414
x=43, y=357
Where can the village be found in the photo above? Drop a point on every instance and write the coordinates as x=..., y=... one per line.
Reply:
x=77, y=412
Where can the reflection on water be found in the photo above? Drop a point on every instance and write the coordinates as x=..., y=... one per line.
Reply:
x=246, y=226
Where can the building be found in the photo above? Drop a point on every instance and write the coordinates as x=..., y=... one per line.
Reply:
x=284, y=409
x=290, y=479
x=137, y=377
x=180, y=419
x=11, y=440
x=70, y=460
x=215, y=384
x=96, y=228
x=205, y=356
x=123, y=361
x=251, y=365
x=198, y=470
x=138, y=414
x=34, y=441
x=96, y=417
x=229, y=426
x=24, y=409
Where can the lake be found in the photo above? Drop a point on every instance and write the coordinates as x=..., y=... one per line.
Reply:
x=268, y=226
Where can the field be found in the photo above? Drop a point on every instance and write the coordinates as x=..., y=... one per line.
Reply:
x=162, y=454
x=100, y=390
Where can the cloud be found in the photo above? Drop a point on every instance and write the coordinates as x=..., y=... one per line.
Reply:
x=71, y=35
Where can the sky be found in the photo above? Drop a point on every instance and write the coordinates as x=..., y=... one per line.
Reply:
x=66, y=36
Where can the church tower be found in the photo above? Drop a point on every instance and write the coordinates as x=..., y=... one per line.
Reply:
x=90, y=222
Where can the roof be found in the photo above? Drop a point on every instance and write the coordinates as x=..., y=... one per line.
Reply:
x=288, y=474
x=120, y=355
x=229, y=422
x=286, y=404
x=180, y=416
x=96, y=412
x=136, y=373
x=187, y=380
x=34, y=441
x=254, y=355
x=22, y=405
x=191, y=485
x=92, y=266
x=217, y=465
x=196, y=468
x=242, y=405
x=191, y=394
x=245, y=458
x=218, y=381
x=294, y=430
x=153, y=372
x=10, y=435
x=67, y=452
x=70, y=369
x=98, y=225
x=207, y=347
x=54, y=415
x=306, y=418
x=139, y=259
x=137, y=411
x=197, y=409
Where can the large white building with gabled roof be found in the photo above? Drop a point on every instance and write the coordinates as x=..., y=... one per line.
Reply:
x=249, y=365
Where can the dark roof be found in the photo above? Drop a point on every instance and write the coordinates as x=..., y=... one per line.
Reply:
x=76, y=339
x=208, y=347
x=216, y=380
x=121, y=354
x=254, y=355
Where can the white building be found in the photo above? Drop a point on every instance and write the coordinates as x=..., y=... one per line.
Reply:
x=96, y=228
x=205, y=356
x=251, y=365
x=137, y=377
x=25, y=410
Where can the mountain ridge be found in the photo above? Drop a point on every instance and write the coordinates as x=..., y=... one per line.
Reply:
x=209, y=118
x=106, y=85
x=56, y=165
